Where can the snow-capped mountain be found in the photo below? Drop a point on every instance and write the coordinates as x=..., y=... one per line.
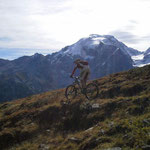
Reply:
x=93, y=41
x=138, y=60
x=141, y=59
x=29, y=75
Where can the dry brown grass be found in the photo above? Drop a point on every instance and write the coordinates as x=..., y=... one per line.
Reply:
x=122, y=119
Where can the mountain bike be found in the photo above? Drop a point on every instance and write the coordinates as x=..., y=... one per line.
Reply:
x=91, y=91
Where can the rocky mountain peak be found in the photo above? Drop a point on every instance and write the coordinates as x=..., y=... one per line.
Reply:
x=91, y=42
x=95, y=42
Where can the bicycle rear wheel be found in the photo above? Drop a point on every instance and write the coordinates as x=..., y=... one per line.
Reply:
x=92, y=91
x=71, y=92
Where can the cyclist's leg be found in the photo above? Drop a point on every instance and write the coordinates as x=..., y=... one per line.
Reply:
x=84, y=78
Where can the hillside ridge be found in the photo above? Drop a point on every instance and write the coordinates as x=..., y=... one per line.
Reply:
x=118, y=118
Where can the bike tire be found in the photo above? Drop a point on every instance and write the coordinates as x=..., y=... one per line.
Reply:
x=70, y=92
x=92, y=91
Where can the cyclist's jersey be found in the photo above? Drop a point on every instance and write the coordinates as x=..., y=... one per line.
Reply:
x=84, y=69
x=83, y=66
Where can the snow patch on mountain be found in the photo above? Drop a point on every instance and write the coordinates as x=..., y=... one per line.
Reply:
x=138, y=57
x=138, y=60
x=105, y=39
x=141, y=60
x=84, y=43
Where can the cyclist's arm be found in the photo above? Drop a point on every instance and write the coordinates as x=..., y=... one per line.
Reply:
x=74, y=71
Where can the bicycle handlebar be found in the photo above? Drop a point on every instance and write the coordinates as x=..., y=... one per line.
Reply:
x=75, y=77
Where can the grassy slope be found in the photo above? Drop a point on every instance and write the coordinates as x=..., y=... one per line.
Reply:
x=43, y=122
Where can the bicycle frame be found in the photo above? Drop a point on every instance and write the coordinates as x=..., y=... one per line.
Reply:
x=77, y=81
x=73, y=90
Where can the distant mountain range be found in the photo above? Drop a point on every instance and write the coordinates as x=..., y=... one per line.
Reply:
x=14, y=53
x=29, y=75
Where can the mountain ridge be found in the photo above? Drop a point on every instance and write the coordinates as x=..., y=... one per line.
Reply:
x=38, y=73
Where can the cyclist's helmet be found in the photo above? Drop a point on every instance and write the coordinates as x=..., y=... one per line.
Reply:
x=77, y=60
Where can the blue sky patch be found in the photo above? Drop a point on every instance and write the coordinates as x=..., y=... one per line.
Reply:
x=5, y=39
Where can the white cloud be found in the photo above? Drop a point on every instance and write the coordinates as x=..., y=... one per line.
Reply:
x=53, y=24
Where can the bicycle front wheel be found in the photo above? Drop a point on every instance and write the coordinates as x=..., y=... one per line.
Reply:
x=71, y=92
x=92, y=91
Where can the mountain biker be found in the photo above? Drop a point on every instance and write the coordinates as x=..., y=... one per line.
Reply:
x=84, y=68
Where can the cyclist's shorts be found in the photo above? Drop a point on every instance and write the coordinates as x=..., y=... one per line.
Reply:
x=84, y=75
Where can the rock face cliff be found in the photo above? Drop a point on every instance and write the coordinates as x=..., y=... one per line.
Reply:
x=29, y=75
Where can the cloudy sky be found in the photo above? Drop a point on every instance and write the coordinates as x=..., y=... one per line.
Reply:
x=48, y=25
